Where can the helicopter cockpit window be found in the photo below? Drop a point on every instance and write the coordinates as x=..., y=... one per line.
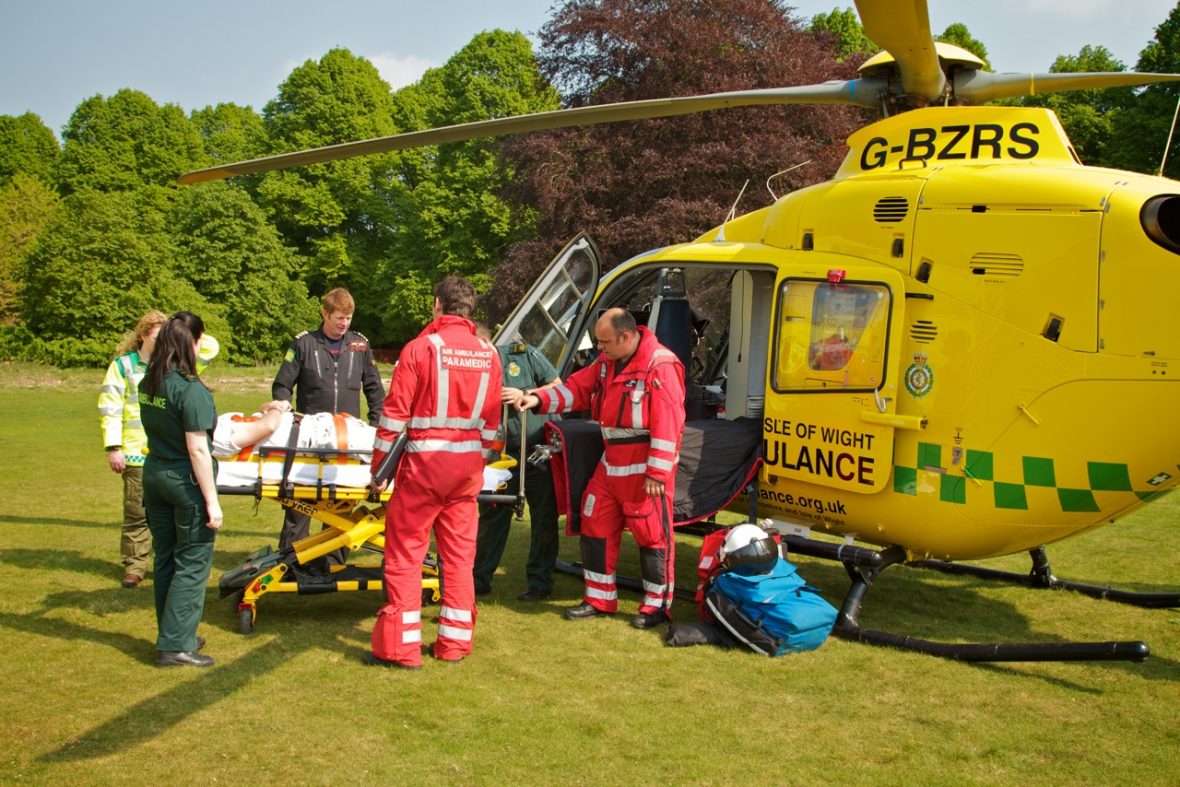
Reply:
x=831, y=336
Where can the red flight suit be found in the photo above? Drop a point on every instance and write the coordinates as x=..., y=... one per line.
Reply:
x=445, y=392
x=641, y=411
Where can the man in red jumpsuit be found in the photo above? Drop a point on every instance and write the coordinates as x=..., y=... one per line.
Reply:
x=635, y=390
x=445, y=393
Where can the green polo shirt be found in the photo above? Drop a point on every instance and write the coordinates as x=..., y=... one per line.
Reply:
x=185, y=405
x=525, y=367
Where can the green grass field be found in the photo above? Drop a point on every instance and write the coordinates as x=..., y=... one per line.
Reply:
x=542, y=700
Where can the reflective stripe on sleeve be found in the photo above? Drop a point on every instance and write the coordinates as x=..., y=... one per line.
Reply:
x=391, y=424
x=384, y=446
x=661, y=464
x=663, y=445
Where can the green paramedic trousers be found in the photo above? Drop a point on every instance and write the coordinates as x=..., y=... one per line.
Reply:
x=176, y=515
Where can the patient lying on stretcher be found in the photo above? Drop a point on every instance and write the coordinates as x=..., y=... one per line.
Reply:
x=328, y=449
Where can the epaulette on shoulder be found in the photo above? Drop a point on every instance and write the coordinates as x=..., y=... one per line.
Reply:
x=301, y=334
x=358, y=333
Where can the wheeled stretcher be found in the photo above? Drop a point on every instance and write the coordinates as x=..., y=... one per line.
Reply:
x=330, y=486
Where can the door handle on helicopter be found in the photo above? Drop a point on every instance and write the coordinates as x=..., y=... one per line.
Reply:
x=897, y=421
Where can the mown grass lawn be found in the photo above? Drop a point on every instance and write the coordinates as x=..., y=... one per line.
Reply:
x=542, y=700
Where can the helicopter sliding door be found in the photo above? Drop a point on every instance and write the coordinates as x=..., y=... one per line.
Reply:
x=830, y=412
x=555, y=307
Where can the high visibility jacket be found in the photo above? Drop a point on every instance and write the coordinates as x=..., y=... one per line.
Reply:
x=445, y=393
x=640, y=408
x=118, y=400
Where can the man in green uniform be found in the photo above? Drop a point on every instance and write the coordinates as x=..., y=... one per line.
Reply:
x=182, y=515
x=525, y=368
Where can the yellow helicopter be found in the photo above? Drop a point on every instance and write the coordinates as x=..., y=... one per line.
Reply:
x=959, y=347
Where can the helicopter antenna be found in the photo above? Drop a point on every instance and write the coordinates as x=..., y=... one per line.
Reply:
x=733, y=208
x=1172, y=131
x=780, y=173
x=732, y=212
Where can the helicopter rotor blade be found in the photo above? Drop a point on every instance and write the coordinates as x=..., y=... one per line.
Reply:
x=976, y=87
x=902, y=28
x=865, y=91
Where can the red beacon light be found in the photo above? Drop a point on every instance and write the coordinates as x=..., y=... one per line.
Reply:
x=836, y=275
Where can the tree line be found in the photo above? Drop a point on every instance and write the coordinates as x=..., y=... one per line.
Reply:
x=94, y=231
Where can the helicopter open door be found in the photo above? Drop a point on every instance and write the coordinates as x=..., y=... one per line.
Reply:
x=554, y=309
x=830, y=410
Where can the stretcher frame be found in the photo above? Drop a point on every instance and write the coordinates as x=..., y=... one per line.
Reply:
x=352, y=519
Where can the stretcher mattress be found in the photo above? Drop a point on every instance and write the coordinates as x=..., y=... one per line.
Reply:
x=317, y=471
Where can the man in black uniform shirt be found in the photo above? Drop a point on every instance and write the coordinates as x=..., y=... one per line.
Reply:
x=326, y=370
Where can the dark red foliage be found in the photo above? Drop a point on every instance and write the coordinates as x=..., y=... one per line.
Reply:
x=639, y=185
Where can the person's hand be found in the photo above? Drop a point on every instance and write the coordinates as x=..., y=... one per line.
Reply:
x=117, y=461
x=215, y=517
x=378, y=488
x=509, y=395
x=527, y=401
x=653, y=488
x=275, y=405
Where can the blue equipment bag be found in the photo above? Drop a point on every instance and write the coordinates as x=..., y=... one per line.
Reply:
x=772, y=613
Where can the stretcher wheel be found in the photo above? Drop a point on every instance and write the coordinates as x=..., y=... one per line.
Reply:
x=246, y=621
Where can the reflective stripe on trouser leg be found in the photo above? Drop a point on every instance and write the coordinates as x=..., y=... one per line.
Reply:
x=397, y=635
x=657, y=551
x=455, y=532
x=601, y=590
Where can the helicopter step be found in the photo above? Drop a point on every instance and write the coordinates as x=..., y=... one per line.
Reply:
x=1041, y=576
x=864, y=565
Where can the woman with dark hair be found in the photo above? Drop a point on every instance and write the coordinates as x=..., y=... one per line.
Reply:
x=179, y=492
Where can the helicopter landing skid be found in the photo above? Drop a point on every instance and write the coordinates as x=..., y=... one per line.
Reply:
x=1041, y=576
x=864, y=565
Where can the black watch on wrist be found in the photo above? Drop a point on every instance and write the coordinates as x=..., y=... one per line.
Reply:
x=113, y=448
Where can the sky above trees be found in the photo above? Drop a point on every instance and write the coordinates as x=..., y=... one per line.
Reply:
x=66, y=51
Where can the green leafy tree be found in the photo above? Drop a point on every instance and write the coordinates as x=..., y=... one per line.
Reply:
x=26, y=205
x=844, y=28
x=1141, y=130
x=125, y=142
x=332, y=212
x=232, y=256
x=1087, y=115
x=103, y=260
x=27, y=146
x=960, y=36
x=230, y=133
x=447, y=212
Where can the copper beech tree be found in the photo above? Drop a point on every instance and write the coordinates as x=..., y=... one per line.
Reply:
x=638, y=185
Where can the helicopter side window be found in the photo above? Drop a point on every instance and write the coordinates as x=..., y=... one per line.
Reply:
x=831, y=336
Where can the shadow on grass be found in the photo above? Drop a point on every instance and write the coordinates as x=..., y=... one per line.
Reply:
x=60, y=560
x=130, y=646
x=55, y=521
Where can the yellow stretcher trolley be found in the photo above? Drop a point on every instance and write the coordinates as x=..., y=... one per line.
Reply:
x=330, y=486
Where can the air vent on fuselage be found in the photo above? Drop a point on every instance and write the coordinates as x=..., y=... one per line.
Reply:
x=923, y=331
x=987, y=264
x=890, y=210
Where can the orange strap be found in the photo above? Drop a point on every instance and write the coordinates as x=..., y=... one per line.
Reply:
x=341, y=421
x=244, y=454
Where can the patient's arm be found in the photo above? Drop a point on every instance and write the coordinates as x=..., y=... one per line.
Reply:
x=254, y=432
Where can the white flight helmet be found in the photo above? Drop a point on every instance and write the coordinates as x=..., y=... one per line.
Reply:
x=748, y=550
